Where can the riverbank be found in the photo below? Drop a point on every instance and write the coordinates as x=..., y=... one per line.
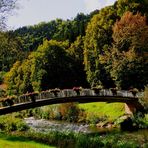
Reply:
x=69, y=139
x=98, y=140
x=7, y=141
x=104, y=115
x=63, y=134
x=89, y=113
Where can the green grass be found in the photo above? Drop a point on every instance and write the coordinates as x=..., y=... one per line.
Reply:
x=101, y=109
x=19, y=142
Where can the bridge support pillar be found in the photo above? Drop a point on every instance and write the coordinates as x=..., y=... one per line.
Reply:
x=130, y=108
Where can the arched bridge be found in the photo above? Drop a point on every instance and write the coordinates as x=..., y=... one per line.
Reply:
x=56, y=96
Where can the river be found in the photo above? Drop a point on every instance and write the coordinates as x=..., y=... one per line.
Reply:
x=42, y=125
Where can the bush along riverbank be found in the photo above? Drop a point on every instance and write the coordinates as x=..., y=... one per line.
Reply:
x=12, y=141
x=10, y=123
x=78, y=140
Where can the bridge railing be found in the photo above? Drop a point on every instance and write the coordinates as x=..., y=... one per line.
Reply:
x=57, y=93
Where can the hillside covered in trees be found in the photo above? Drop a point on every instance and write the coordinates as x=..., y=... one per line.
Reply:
x=108, y=47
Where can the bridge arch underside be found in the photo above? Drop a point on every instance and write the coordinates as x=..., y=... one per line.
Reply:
x=130, y=101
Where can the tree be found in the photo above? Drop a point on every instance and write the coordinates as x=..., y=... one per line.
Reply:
x=98, y=37
x=48, y=67
x=131, y=32
x=33, y=36
x=10, y=50
x=133, y=6
x=76, y=51
x=64, y=31
x=98, y=40
x=130, y=50
x=6, y=7
x=11, y=79
x=53, y=67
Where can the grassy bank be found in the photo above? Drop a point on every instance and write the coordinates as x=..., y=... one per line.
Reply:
x=77, y=140
x=109, y=111
x=75, y=112
x=19, y=142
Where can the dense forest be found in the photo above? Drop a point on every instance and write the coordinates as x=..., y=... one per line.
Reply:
x=108, y=48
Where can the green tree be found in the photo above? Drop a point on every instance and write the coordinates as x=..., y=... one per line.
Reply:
x=76, y=51
x=133, y=6
x=11, y=79
x=10, y=50
x=48, y=67
x=98, y=37
x=60, y=30
x=33, y=36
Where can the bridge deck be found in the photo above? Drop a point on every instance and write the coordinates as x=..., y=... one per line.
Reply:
x=59, y=100
x=57, y=97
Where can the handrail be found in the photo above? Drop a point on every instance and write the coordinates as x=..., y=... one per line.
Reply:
x=64, y=93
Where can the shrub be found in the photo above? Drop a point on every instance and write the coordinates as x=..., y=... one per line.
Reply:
x=2, y=74
x=82, y=116
x=2, y=93
x=69, y=111
x=21, y=126
x=9, y=123
x=92, y=118
x=144, y=99
x=140, y=120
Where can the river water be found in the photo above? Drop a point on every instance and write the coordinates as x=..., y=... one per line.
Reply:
x=42, y=125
